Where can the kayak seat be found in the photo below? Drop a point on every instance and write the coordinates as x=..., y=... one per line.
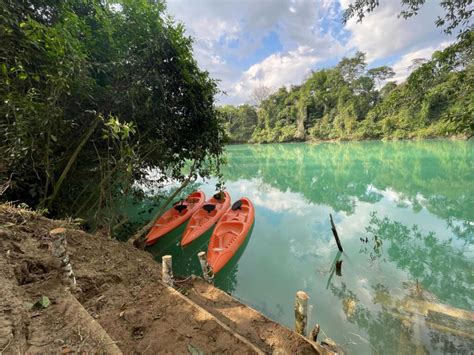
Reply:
x=180, y=208
x=209, y=207
x=237, y=205
x=219, y=196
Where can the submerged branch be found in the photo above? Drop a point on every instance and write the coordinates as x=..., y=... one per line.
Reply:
x=138, y=239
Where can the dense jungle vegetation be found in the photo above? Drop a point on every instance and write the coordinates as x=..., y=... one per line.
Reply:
x=93, y=94
x=350, y=101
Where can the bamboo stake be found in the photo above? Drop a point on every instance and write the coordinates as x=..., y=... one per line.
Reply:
x=167, y=270
x=59, y=249
x=206, y=270
x=301, y=312
x=334, y=232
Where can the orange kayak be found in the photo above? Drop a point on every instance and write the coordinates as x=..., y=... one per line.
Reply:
x=175, y=216
x=205, y=217
x=230, y=233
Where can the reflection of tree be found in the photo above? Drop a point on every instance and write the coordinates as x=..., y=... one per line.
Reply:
x=464, y=230
x=373, y=324
x=396, y=326
x=143, y=204
x=338, y=174
x=439, y=267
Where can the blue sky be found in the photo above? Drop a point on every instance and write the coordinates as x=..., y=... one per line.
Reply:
x=251, y=43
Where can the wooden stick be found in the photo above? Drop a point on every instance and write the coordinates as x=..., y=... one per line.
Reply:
x=334, y=232
x=167, y=270
x=206, y=270
x=339, y=268
x=59, y=249
x=301, y=312
x=333, y=268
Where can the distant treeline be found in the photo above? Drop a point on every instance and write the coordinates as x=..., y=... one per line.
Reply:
x=349, y=102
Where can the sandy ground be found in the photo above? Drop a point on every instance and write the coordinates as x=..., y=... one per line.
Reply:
x=121, y=306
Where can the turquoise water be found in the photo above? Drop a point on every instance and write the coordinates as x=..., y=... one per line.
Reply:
x=405, y=215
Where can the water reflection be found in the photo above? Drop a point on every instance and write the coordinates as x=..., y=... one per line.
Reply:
x=438, y=266
x=410, y=324
x=405, y=215
x=339, y=173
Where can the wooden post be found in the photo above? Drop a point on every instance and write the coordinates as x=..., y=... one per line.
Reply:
x=339, y=268
x=167, y=270
x=313, y=335
x=301, y=312
x=334, y=232
x=59, y=249
x=206, y=270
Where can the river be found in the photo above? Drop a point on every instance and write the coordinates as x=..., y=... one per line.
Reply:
x=405, y=215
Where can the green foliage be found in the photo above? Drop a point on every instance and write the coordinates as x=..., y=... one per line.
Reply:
x=95, y=93
x=240, y=122
x=348, y=102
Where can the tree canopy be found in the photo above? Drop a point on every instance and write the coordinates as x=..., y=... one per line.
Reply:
x=350, y=101
x=94, y=94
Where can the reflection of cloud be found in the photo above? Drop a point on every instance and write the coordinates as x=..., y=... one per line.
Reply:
x=392, y=195
x=271, y=198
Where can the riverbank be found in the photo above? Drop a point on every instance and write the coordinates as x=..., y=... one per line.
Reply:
x=120, y=305
x=339, y=140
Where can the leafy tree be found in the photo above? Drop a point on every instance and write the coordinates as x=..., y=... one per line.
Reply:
x=240, y=122
x=94, y=94
x=352, y=68
x=387, y=88
x=380, y=74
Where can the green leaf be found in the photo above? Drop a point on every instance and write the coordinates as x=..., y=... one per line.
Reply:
x=194, y=351
x=22, y=76
x=53, y=138
x=42, y=303
x=4, y=68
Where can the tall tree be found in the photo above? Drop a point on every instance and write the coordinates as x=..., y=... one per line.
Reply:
x=380, y=74
x=93, y=95
x=353, y=67
x=259, y=94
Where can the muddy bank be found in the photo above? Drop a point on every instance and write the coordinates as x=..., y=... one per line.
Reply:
x=121, y=305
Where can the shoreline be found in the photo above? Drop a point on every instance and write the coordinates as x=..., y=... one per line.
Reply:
x=318, y=141
x=120, y=304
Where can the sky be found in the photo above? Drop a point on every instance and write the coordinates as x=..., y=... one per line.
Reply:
x=251, y=43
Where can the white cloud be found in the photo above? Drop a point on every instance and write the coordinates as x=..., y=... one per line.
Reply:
x=276, y=70
x=228, y=33
x=382, y=33
x=216, y=24
x=404, y=66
